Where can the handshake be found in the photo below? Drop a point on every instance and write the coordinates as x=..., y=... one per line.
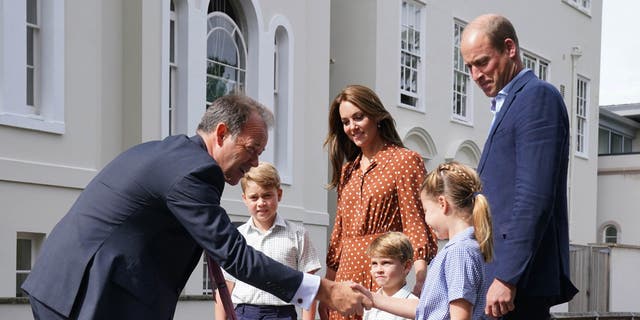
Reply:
x=348, y=298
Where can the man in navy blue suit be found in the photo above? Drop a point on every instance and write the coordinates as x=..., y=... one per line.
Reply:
x=524, y=172
x=128, y=244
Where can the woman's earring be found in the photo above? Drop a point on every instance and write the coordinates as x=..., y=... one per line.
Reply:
x=379, y=125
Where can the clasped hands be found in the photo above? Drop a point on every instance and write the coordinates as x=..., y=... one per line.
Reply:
x=348, y=298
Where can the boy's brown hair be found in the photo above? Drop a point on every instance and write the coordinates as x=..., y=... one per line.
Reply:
x=392, y=244
x=265, y=175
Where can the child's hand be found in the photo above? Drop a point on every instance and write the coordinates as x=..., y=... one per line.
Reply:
x=364, y=291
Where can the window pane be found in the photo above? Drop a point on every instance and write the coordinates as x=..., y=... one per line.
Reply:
x=611, y=234
x=215, y=88
x=542, y=70
x=463, y=107
x=414, y=82
x=456, y=103
x=23, y=254
x=172, y=40
x=410, y=52
x=225, y=53
x=579, y=141
x=20, y=277
x=403, y=36
x=30, y=87
x=627, y=145
x=616, y=143
x=32, y=11
x=221, y=48
x=30, y=52
x=405, y=99
x=603, y=141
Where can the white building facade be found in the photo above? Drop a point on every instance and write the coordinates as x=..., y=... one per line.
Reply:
x=618, y=219
x=98, y=76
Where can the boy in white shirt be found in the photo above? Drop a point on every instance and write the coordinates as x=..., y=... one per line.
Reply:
x=284, y=241
x=391, y=260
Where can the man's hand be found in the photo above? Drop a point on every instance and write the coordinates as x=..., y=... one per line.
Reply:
x=500, y=298
x=342, y=298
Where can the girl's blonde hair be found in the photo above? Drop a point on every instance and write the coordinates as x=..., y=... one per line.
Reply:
x=461, y=186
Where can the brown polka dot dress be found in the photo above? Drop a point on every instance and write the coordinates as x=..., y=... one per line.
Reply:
x=386, y=197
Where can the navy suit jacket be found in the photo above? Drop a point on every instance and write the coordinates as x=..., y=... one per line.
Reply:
x=523, y=169
x=134, y=235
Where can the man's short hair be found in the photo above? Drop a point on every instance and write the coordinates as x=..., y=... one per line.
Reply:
x=499, y=28
x=233, y=110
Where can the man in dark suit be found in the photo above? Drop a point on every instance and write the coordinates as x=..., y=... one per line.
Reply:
x=134, y=235
x=524, y=172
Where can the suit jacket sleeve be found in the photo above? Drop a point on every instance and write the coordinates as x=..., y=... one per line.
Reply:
x=195, y=202
x=540, y=130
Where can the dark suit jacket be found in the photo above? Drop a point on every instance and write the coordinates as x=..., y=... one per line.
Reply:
x=129, y=243
x=524, y=172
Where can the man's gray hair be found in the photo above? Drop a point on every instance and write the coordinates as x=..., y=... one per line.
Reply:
x=233, y=110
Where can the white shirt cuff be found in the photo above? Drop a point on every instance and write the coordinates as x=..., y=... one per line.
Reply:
x=307, y=291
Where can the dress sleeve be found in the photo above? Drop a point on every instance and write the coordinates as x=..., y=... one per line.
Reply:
x=335, y=243
x=410, y=176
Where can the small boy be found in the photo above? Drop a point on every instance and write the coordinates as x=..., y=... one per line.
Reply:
x=284, y=241
x=391, y=260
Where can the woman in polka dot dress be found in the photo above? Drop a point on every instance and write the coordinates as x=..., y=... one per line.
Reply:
x=378, y=189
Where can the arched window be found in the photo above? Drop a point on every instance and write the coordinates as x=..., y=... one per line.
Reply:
x=226, y=52
x=283, y=131
x=610, y=234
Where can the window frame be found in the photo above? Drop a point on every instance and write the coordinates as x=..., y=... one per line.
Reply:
x=538, y=64
x=47, y=114
x=606, y=237
x=581, y=138
x=464, y=74
x=35, y=241
x=33, y=58
x=627, y=141
x=419, y=69
x=240, y=83
x=282, y=100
